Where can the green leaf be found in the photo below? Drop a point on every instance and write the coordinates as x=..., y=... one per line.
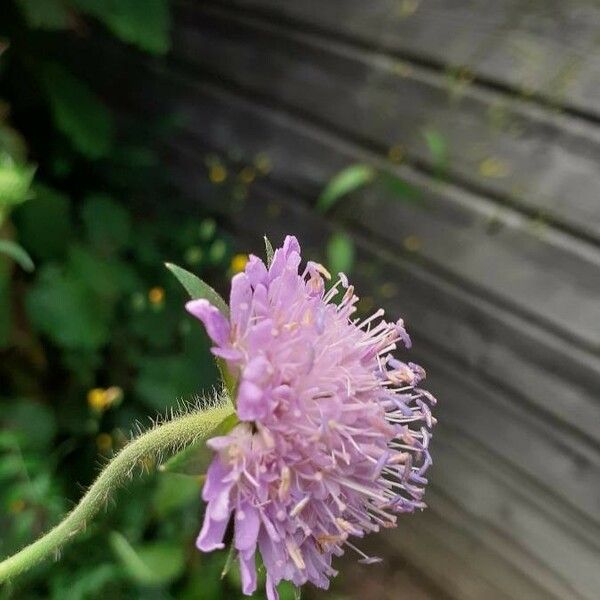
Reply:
x=33, y=422
x=269, y=251
x=5, y=309
x=45, y=14
x=145, y=24
x=107, y=223
x=164, y=379
x=44, y=223
x=61, y=306
x=15, y=182
x=174, y=491
x=438, y=148
x=194, y=459
x=345, y=182
x=156, y=563
x=17, y=253
x=402, y=189
x=78, y=112
x=340, y=253
x=197, y=288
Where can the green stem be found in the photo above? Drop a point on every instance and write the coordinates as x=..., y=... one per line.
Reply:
x=160, y=441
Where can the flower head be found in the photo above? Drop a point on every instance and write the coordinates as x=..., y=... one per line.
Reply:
x=334, y=431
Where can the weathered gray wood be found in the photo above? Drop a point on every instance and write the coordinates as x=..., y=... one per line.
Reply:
x=548, y=162
x=549, y=48
x=559, y=272
x=542, y=369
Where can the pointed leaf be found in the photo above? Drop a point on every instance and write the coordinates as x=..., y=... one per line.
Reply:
x=145, y=24
x=17, y=253
x=269, y=251
x=78, y=112
x=155, y=563
x=197, y=288
x=346, y=181
x=15, y=182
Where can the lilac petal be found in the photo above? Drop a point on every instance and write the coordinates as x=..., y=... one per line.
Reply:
x=256, y=271
x=211, y=534
x=215, y=474
x=240, y=300
x=215, y=323
x=272, y=593
x=280, y=258
x=247, y=523
x=250, y=402
x=248, y=572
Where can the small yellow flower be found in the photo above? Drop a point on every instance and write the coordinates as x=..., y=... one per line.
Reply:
x=97, y=400
x=217, y=173
x=238, y=263
x=156, y=295
x=104, y=442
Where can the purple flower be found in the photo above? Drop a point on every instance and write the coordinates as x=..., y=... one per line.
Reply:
x=334, y=432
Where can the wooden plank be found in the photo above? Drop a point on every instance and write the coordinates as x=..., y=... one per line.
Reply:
x=507, y=511
x=543, y=164
x=483, y=413
x=546, y=48
x=393, y=579
x=557, y=379
x=452, y=226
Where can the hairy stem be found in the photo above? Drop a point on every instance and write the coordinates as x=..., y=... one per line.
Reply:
x=162, y=440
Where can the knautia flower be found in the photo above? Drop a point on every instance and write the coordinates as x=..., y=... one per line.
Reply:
x=334, y=431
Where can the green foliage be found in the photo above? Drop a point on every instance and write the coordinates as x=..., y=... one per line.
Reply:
x=15, y=182
x=107, y=224
x=269, y=252
x=45, y=14
x=402, y=189
x=17, y=253
x=438, y=148
x=150, y=564
x=44, y=223
x=346, y=181
x=340, y=253
x=77, y=112
x=145, y=24
x=197, y=288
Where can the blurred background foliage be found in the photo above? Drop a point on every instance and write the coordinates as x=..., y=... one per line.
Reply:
x=94, y=338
